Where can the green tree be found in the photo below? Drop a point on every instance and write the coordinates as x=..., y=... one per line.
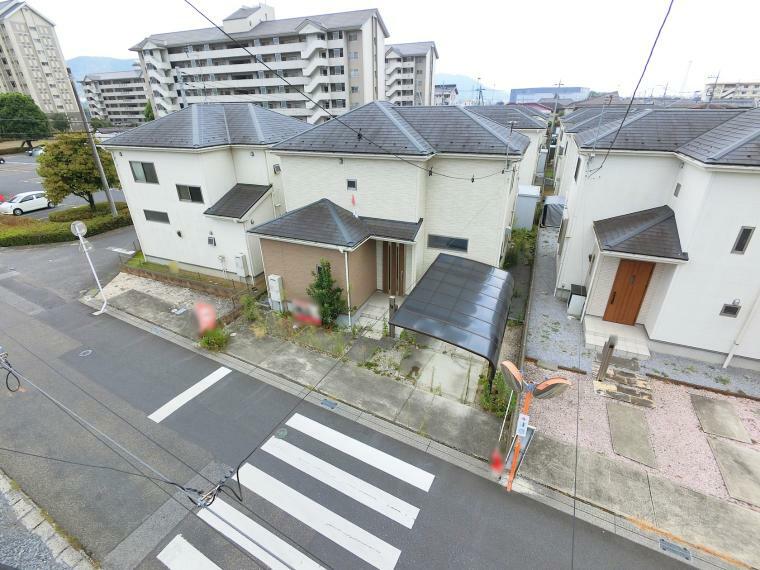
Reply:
x=67, y=167
x=21, y=118
x=326, y=294
x=60, y=122
x=97, y=123
x=148, y=112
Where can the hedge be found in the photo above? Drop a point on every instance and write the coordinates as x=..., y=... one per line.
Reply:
x=51, y=232
x=85, y=213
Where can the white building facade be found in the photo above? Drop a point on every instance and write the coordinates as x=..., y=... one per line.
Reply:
x=446, y=94
x=118, y=97
x=409, y=72
x=727, y=90
x=664, y=240
x=31, y=61
x=336, y=59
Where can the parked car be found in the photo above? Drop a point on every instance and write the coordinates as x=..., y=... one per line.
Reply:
x=36, y=151
x=25, y=202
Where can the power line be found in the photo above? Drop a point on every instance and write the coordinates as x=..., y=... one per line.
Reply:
x=633, y=95
x=358, y=133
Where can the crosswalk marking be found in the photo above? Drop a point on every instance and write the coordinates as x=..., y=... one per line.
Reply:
x=178, y=401
x=359, y=490
x=344, y=533
x=363, y=452
x=179, y=554
x=268, y=547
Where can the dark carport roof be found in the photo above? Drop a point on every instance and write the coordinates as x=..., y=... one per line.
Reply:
x=462, y=302
x=239, y=199
x=650, y=232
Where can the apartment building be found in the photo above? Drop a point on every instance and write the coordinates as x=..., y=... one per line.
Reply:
x=445, y=94
x=31, y=61
x=336, y=59
x=409, y=70
x=732, y=90
x=118, y=97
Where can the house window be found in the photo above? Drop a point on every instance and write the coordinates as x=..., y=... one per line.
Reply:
x=154, y=216
x=144, y=172
x=351, y=184
x=577, y=169
x=677, y=191
x=354, y=89
x=742, y=240
x=730, y=310
x=353, y=36
x=189, y=193
x=354, y=72
x=446, y=242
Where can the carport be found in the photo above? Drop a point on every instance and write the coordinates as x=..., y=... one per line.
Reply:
x=461, y=302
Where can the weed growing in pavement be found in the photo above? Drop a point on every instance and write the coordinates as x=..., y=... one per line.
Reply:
x=496, y=400
x=251, y=309
x=725, y=380
x=215, y=339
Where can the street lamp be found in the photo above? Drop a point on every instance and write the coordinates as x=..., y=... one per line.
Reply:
x=79, y=229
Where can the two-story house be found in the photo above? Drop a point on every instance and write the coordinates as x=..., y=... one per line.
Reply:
x=660, y=229
x=386, y=189
x=197, y=179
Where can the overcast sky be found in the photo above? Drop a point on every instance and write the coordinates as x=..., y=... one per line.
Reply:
x=600, y=44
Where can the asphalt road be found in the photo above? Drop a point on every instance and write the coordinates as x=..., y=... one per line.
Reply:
x=319, y=489
x=19, y=174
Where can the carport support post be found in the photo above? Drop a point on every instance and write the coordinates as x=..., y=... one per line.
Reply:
x=95, y=155
x=391, y=312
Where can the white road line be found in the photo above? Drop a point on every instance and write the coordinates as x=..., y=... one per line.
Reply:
x=342, y=532
x=363, y=452
x=177, y=402
x=179, y=554
x=268, y=547
x=359, y=490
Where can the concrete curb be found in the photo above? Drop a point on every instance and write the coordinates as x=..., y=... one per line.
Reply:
x=593, y=514
x=36, y=521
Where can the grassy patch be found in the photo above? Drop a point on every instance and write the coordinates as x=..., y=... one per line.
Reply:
x=215, y=339
x=86, y=213
x=522, y=247
x=27, y=231
x=138, y=261
x=496, y=400
x=724, y=380
x=251, y=310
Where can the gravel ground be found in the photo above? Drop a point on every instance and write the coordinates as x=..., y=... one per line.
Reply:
x=21, y=548
x=682, y=451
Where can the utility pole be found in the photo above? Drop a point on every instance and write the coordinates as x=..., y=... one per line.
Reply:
x=95, y=155
x=712, y=92
x=554, y=115
x=480, y=94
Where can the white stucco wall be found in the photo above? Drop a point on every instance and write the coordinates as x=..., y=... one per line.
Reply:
x=530, y=158
x=215, y=171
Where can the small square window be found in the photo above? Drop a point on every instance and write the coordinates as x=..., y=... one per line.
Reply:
x=677, y=191
x=731, y=310
x=742, y=240
x=189, y=193
x=144, y=172
x=154, y=216
x=351, y=185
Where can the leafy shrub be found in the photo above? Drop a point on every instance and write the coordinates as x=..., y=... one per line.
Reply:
x=251, y=309
x=52, y=232
x=215, y=339
x=85, y=213
x=326, y=294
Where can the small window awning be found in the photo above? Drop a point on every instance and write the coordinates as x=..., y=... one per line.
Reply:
x=462, y=302
x=238, y=201
x=652, y=233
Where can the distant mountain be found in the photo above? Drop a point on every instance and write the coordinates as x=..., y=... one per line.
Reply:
x=82, y=65
x=467, y=87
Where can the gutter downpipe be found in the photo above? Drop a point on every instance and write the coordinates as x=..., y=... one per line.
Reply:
x=597, y=263
x=348, y=288
x=742, y=330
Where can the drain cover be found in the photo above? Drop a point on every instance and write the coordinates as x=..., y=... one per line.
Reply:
x=674, y=548
x=281, y=433
x=329, y=404
x=84, y=353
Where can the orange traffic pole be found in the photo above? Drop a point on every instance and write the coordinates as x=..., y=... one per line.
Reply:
x=516, y=452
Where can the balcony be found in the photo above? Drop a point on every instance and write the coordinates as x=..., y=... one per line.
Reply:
x=312, y=42
x=314, y=65
x=237, y=52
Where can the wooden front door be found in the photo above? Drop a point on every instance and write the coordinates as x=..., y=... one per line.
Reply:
x=628, y=290
x=393, y=268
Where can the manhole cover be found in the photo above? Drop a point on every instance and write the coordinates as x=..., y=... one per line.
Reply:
x=281, y=433
x=84, y=353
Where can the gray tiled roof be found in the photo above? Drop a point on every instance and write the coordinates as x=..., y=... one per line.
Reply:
x=242, y=12
x=648, y=232
x=336, y=21
x=325, y=222
x=204, y=125
x=737, y=141
x=238, y=200
x=656, y=129
x=589, y=117
x=420, y=131
x=503, y=114
x=7, y=5
x=412, y=48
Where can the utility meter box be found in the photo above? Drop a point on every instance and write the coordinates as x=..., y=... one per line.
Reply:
x=274, y=285
x=241, y=265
